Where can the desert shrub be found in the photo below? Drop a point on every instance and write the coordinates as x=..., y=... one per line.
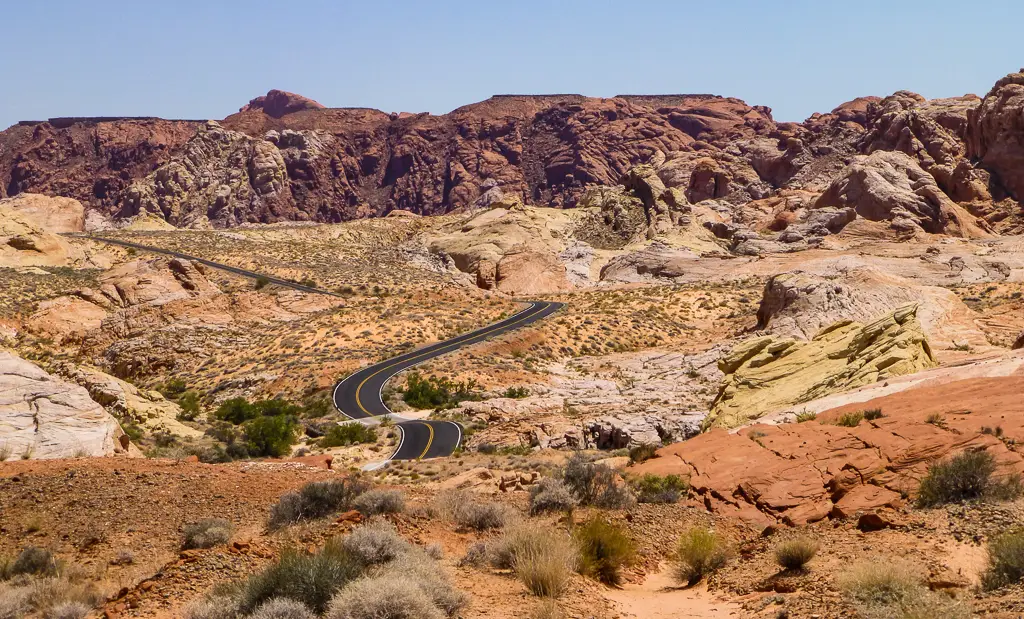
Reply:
x=13, y=602
x=595, y=484
x=352, y=433
x=261, y=283
x=236, y=411
x=212, y=607
x=964, y=477
x=806, y=416
x=270, y=436
x=317, y=406
x=190, y=406
x=660, y=489
x=418, y=566
x=46, y=594
x=794, y=554
x=207, y=533
x=380, y=501
x=886, y=589
x=311, y=579
x=642, y=453
x=384, y=597
x=547, y=609
x=481, y=515
x=6, y=451
x=438, y=392
x=316, y=499
x=543, y=559
x=604, y=550
x=551, y=495
x=851, y=419
x=872, y=414
x=173, y=388
x=35, y=561
x=282, y=608
x=699, y=553
x=476, y=555
x=374, y=543
x=1005, y=560
x=516, y=393
x=68, y=610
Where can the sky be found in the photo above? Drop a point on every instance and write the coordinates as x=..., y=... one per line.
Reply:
x=198, y=60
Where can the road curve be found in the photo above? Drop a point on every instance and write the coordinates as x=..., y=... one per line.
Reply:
x=359, y=395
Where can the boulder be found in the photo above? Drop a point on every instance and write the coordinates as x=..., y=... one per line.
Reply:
x=771, y=372
x=890, y=186
x=656, y=261
x=630, y=430
x=51, y=214
x=42, y=416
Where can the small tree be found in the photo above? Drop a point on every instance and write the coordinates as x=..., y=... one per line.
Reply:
x=270, y=436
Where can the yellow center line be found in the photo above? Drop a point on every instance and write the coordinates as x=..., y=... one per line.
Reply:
x=484, y=333
x=430, y=441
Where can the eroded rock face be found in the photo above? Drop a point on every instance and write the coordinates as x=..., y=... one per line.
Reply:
x=890, y=186
x=996, y=133
x=26, y=241
x=277, y=103
x=771, y=372
x=56, y=215
x=805, y=472
x=42, y=416
x=147, y=408
x=801, y=303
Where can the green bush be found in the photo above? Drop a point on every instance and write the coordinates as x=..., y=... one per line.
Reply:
x=317, y=499
x=345, y=434
x=270, y=436
x=315, y=407
x=261, y=283
x=1005, y=560
x=658, y=489
x=236, y=410
x=594, y=484
x=190, y=406
x=699, y=553
x=312, y=579
x=438, y=393
x=173, y=388
x=964, y=477
x=516, y=393
x=604, y=550
x=794, y=554
x=207, y=533
x=642, y=453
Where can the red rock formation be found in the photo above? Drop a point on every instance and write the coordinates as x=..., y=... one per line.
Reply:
x=277, y=103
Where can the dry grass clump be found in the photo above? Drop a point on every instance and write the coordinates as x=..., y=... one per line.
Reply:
x=547, y=609
x=794, y=554
x=543, y=559
x=605, y=549
x=466, y=509
x=1005, y=560
x=380, y=501
x=699, y=553
x=212, y=607
x=311, y=579
x=383, y=597
x=887, y=589
x=69, y=610
x=316, y=499
x=207, y=533
x=282, y=608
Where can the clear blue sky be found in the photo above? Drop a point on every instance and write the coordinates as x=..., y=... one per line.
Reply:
x=192, y=59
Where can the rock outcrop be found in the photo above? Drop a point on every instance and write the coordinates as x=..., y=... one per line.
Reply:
x=801, y=303
x=996, y=133
x=56, y=215
x=890, y=186
x=149, y=409
x=768, y=373
x=26, y=239
x=805, y=472
x=42, y=416
x=277, y=103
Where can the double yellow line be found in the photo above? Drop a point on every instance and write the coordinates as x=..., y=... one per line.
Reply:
x=487, y=331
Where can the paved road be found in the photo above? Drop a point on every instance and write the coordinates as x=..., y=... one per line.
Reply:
x=359, y=396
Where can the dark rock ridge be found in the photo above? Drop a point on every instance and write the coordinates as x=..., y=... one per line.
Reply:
x=284, y=157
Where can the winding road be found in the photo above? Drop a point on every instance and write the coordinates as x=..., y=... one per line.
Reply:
x=358, y=397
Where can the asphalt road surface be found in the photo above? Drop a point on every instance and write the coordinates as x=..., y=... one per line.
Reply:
x=359, y=396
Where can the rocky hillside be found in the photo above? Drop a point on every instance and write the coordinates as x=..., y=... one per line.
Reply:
x=283, y=157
